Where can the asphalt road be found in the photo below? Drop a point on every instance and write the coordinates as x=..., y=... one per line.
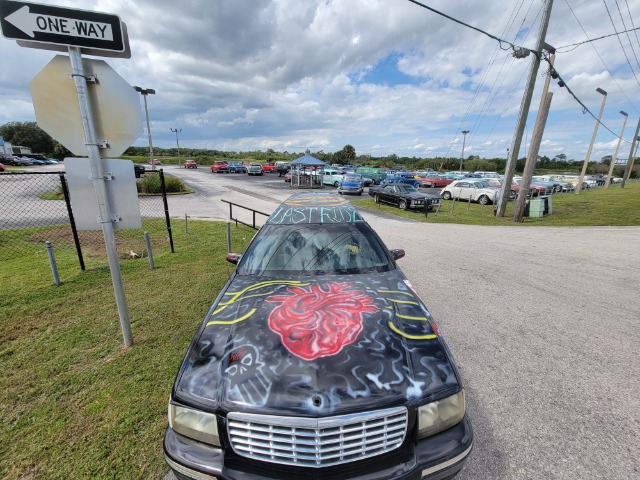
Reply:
x=543, y=323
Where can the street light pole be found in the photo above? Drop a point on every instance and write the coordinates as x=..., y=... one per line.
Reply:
x=593, y=138
x=615, y=154
x=144, y=92
x=464, y=141
x=176, y=131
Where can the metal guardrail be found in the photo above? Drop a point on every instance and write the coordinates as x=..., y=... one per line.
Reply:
x=253, y=224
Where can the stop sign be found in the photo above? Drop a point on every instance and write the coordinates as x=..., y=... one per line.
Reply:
x=116, y=106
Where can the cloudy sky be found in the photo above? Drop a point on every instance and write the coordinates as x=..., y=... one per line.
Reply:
x=386, y=76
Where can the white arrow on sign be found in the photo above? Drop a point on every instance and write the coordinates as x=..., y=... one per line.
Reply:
x=32, y=23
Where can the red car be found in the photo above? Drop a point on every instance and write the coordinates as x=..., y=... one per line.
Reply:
x=190, y=164
x=437, y=181
x=269, y=167
x=220, y=167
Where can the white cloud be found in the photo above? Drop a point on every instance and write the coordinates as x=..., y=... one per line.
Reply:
x=257, y=74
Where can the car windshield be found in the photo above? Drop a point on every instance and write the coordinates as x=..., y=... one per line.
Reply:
x=352, y=178
x=315, y=249
x=405, y=188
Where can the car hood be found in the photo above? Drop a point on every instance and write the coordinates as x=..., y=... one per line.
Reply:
x=315, y=346
x=346, y=183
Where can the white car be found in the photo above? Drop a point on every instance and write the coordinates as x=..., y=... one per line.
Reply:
x=332, y=177
x=254, y=169
x=471, y=188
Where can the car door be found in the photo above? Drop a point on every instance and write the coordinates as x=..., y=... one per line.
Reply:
x=388, y=194
x=462, y=190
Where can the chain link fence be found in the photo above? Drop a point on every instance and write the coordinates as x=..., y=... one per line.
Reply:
x=35, y=207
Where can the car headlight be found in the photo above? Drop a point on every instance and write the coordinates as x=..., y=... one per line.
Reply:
x=440, y=415
x=201, y=426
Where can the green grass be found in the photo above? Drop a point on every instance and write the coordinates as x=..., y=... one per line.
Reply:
x=75, y=403
x=594, y=207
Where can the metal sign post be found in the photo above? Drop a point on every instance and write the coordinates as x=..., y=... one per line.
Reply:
x=44, y=26
x=99, y=178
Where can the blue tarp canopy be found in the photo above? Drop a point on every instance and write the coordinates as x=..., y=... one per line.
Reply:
x=307, y=160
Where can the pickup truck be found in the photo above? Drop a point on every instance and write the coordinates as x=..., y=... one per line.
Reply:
x=269, y=167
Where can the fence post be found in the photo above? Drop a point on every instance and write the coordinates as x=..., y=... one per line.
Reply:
x=52, y=261
x=72, y=221
x=149, y=251
x=166, y=209
x=228, y=237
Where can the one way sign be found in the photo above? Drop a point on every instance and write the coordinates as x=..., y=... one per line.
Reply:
x=61, y=26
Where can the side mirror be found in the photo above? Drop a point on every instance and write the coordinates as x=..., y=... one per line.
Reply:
x=235, y=257
x=396, y=253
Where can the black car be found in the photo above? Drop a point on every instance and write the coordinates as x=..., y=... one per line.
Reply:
x=317, y=360
x=282, y=169
x=404, y=196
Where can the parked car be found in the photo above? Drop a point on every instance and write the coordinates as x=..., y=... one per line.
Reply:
x=282, y=169
x=287, y=176
x=470, y=188
x=405, y=180
x=190, y=164
x=1, y=167
x=332, y=177
x=220, y=167
x=403, y=196
x=254, y=169
x=237, y=167
x=155, y=161
x=22, y=161
x=434, y=181
x=269, y=167
x=317, y=360
x=351, y=183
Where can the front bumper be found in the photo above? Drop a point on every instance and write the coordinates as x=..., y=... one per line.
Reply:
x=438, y=457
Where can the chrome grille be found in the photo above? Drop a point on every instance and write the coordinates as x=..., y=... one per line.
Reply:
x=321, y=442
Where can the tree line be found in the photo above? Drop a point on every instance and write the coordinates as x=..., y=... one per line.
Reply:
x=28, y=134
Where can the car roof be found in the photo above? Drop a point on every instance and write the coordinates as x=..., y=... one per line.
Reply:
x=315, y=208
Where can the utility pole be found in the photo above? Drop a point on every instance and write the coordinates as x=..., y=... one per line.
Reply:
x=627, y=171
x=593, y=138
x=530, y=165
x=615, y=154
x=524, y=112
x=536, y=139
x=176, y=131
x=464, y=141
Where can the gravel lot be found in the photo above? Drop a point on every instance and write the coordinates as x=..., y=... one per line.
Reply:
x=542, y=322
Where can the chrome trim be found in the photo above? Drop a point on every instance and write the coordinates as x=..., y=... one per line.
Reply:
x=446, y=464
x=189, y=472
x=317, y=442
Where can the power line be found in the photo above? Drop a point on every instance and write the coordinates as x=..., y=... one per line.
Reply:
x=518, y=51
x=585, y=109
x=600, y=56
x=620, y=41
x=628, y=37
x=632, y=23
x=576, y=45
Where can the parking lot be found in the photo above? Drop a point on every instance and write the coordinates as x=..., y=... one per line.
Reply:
x=542, y=322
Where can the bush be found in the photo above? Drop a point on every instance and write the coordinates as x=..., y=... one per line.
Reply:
x=150, y=184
